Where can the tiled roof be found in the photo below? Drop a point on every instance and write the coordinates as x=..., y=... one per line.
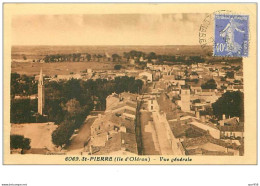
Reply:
x=234, y=128
x=117, y=120
x=205, y=139
x=128, y=95
x=115, y=143
x=231, y=121
x=238, y=87
x=124, y=103
x=206, y=152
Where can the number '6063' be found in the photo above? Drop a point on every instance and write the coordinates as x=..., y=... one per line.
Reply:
x=71, y=158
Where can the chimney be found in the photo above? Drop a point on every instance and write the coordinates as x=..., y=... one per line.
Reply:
x=223, y=117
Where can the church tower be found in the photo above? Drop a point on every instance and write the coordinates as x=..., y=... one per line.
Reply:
x=185, y=99
x=40, y=94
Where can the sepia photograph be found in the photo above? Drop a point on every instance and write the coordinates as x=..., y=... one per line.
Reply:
x=140, y=87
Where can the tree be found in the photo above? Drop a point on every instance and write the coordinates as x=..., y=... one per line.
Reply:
x=230, y=104
x=99, y=56
x=20, y=111
x=72, y=89
x=230, y=75
x=88, y=57
x=54, y=110
x=61, y=136
x=197, y=59
x=115, y=57
x=196, y=101
x=117, y=67
x=73, y=107
x=237, y=68
x=18, y=141
x=210, y=84
x=151, y=56
x=24, y=57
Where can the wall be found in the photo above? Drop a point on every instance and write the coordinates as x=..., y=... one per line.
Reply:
x=176, y=145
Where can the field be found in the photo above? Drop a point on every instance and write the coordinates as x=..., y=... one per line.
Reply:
x=39, y=133
x=25, y=66
x=61, y=68
x=39, y=52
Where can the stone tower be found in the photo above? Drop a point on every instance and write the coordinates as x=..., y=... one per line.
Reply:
x=185, y=99
x=40, y=94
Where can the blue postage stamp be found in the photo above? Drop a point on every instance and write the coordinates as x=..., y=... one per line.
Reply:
x=231, y=35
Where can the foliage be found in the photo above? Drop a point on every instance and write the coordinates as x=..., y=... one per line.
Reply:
x=73, y=107
x=117, y=67
x=210, y=84
x=230, y=75
x=24, y=57
x=18, y=141
x=115, y=57
x=230, y=104
x=196, y=101
x=193, y=133
x=74, y=57
x=22, y=110
x=63, y=133
x=23, y=85
x=197, y=59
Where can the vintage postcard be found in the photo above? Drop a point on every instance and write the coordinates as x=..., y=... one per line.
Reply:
x=130, y=83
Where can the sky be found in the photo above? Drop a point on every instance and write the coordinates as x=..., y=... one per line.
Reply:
x=107, y=29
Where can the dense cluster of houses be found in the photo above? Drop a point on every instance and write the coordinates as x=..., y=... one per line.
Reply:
x=114, y=131
x=183, y=87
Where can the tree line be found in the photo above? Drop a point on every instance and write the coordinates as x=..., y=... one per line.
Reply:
x=138, y=56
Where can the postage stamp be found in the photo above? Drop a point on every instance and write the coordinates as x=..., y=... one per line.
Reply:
x=231, y=35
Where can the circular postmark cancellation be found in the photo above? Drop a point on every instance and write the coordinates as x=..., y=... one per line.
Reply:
x=206, y=30
x=226, y=33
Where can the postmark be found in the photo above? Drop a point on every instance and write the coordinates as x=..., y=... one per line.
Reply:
x=206, y=29
x=231, y=35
